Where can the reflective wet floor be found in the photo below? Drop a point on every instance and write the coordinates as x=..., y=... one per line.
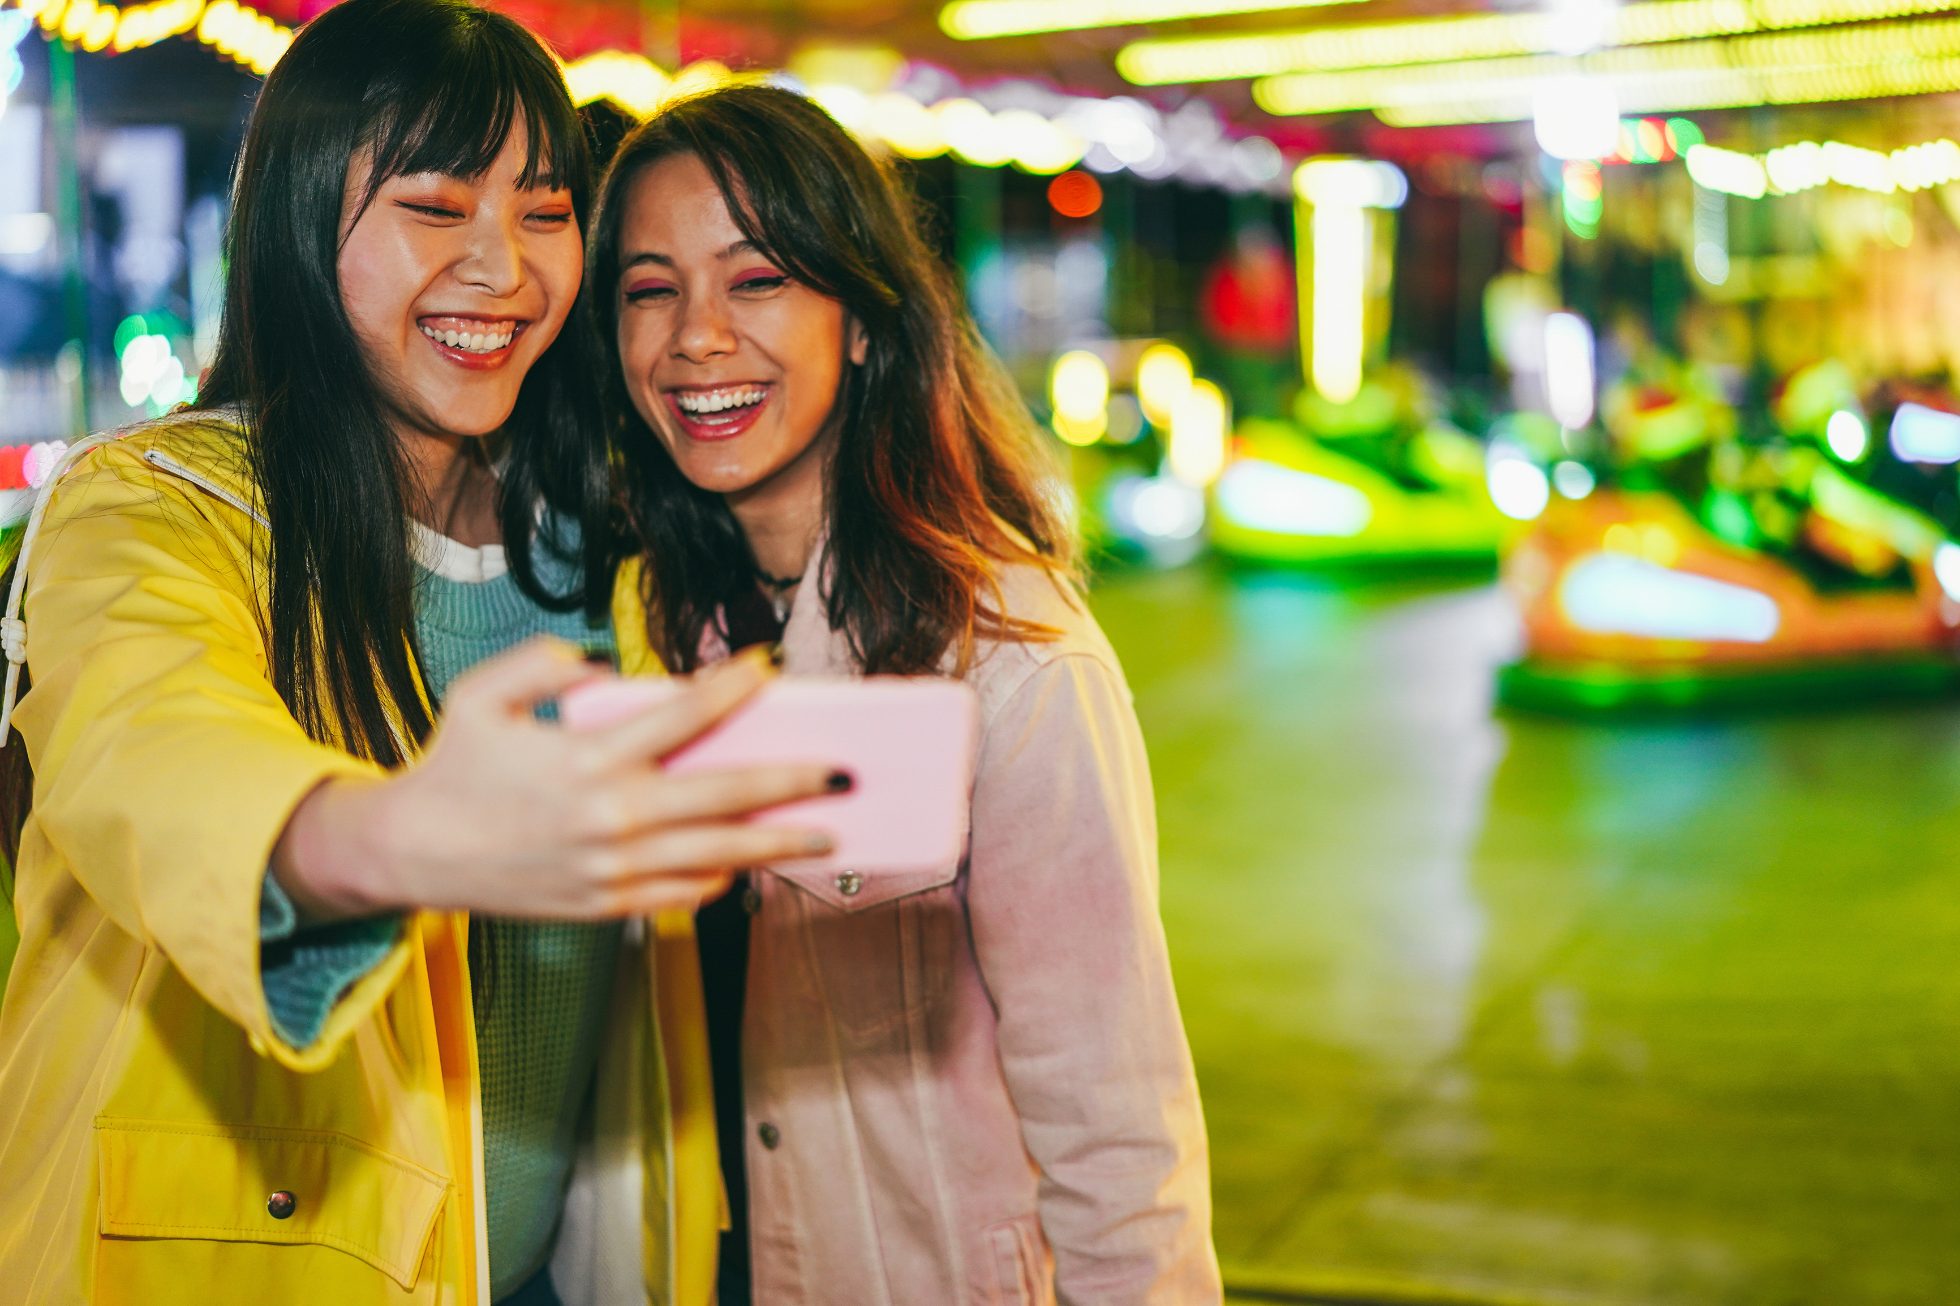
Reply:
x=1528, y=1010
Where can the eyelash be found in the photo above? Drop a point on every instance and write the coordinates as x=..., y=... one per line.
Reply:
x=438, y=211
x=644, y=293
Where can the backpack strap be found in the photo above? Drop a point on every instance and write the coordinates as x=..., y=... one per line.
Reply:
x=13, y=630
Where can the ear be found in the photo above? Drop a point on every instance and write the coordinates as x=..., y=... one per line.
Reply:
x=859, y=341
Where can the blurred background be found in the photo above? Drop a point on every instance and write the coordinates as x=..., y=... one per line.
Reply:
x=1519, y=455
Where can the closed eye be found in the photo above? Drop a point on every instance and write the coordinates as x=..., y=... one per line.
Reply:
x=429, y=210
x=646, y=291
x=762, y=283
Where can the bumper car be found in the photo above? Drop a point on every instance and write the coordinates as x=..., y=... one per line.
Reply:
x=1714, y=569
x=1377, y=481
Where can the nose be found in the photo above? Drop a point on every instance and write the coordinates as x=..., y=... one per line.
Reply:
x=704, y=330
x=494, y=260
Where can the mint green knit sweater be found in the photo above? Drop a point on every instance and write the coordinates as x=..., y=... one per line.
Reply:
x=541, y=989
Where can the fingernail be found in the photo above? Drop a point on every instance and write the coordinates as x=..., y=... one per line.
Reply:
x=839, y=782
x=820, y=844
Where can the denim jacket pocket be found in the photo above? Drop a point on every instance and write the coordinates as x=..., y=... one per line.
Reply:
x=887, y=961
x=1021, y=1275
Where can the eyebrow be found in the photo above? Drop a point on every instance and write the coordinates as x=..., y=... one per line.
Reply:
x=650, y=256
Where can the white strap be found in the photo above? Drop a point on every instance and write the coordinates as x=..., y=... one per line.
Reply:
x=13, y=630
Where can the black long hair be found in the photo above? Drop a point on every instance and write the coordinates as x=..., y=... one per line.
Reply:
x=939, y=475
x=416, y=86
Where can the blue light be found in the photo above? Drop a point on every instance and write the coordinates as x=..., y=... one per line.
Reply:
x=1156, y=508
x=1264, y=496
x=1925, y=435
x=14, y=26
x=1613, y=594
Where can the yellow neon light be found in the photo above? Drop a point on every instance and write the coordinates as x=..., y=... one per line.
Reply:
x=1172, y=60
x=631, y=81
x=1079, y=384
x=1340, y=258
x=975, y=20
x=236, y=31
x=1163, y=379
x=1196, y=448
x=1727, y=171
x=1851, y=63
x=1792, y=169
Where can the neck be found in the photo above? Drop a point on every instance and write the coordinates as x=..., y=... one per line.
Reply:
x=781, y=535
x=783, y=516
x=452, y=489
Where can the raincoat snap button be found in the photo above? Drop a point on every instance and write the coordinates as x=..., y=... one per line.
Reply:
x=280, y=1205
x=849, y=883
x=771, y=1136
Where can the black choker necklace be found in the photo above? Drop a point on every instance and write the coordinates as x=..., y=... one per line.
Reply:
x=778, y=588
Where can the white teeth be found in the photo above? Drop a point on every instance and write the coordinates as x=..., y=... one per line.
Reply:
x=703, y=402
x=485, y=342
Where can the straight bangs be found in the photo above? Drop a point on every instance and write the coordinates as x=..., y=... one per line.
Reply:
x=453, y=114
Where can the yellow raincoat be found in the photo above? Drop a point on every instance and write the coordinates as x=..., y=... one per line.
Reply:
x=148, y=1110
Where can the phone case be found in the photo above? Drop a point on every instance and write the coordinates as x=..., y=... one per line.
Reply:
x=907, y=742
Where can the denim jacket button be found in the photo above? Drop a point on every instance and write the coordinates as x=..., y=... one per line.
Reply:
x=849, y=883
x=281, y=1205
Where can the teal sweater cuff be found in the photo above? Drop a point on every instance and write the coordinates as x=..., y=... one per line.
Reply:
x=306, y=969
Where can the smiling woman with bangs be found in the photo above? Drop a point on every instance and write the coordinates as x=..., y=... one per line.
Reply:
x=334, y=981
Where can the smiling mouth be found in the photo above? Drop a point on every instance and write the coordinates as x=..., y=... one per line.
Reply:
x=718, y=412
x=472, y=341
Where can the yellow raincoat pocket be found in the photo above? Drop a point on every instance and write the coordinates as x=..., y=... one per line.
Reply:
x=192, y=1209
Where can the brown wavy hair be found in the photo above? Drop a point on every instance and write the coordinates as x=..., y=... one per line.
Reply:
x=940, y=477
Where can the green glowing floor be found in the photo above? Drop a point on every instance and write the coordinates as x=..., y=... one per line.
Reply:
x=1541, y=1011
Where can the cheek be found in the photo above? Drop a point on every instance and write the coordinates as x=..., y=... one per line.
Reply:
x=638, y=347
x=374, y=288
x=561, y=270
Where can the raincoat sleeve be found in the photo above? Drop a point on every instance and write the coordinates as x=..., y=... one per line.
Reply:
x=166, y=765
x=1062, y=892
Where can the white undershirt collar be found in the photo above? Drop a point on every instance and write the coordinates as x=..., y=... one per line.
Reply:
x=472, y=565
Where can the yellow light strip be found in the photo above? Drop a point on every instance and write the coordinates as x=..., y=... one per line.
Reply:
x=1175, y=60
x=1806, y=165
x=236, y=31
x=1848, y=63
x=1340, y=299
x=977, y=20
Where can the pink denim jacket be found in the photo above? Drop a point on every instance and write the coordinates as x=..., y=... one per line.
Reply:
x=971, y=1085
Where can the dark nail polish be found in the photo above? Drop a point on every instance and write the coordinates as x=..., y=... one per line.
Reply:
x=597, y=657
x=839, y=782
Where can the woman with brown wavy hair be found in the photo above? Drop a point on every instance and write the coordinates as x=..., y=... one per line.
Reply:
x=965, y=1085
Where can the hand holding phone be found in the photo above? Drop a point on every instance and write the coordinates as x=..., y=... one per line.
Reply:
x=906, y=742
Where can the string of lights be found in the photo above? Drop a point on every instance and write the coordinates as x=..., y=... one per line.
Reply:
x=238, y=32
x=1868, y=61
x=1319, y=50
x=973, y=20
x=1807, y=165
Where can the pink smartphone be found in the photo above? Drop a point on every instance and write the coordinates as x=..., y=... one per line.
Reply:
x=907, y=743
